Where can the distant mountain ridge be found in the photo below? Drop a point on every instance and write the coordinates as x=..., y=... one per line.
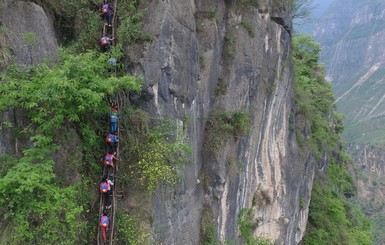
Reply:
x=352, y=34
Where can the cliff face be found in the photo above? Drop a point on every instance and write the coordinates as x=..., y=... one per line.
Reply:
x=371, y=185
x=193, y=56
x=204, y=57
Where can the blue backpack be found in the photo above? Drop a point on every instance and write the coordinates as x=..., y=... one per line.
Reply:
x=114, y=117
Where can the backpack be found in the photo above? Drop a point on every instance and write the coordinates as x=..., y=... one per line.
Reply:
x=103, y=40
x=108, y=159
x=103, y=187
x=114, y=117
x=110, y=138
x=104, y=222
x=105, y=8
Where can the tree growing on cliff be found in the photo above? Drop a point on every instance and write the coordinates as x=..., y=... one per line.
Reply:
x=301, y=11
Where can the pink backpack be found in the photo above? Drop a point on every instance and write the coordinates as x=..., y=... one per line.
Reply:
x=103, y=187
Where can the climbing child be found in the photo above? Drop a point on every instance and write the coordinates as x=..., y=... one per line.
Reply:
x=112, y=141
x=108, y=161
x=107, y=12
x=104, y=224
x=105, y=190
x=105, y=43
x=114, y=119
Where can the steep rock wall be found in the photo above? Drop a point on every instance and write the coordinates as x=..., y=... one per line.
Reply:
x=30, y=37
x=370, y=157
x=200, y=48
x=370, y=176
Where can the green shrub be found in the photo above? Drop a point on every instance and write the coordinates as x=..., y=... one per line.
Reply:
x=154, y=149
x=7, y=161
x=33, y=205
x=222, y=125
x=213, y=15
x=130, y=22
x=208, y=234
x=248, y=27
x=87, y=26
x=66, y=93
x=221, y=87
x=230, y=45
x=131, y=229
x=247, y=226
x=254, y=3
x=333, y=220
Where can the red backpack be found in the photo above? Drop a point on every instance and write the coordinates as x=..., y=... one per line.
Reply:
x=110, y=138
x=104, y=41
x=104, y=222
x=103, y=187
x=105, y=8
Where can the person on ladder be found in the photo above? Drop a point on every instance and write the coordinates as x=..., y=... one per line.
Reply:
x=104, y=224
x=112, y=141
x=105, y=43
x=105, y=190
x=114, y=119
x=108, y=161
x=107, y=12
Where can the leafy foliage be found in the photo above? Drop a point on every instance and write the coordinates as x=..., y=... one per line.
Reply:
x=248, y=27
x=65, y=94
x=76, y=20
x=208, y=227
x=222, y=125
x=313, y=96
x=301, y=11
x=247, y=225
x=130, y=22
x=254, y=3
x=333, y=220
x=87, y=28
x=230, y=44
x=37, y=209
x=155, y=149
x=131, y=229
